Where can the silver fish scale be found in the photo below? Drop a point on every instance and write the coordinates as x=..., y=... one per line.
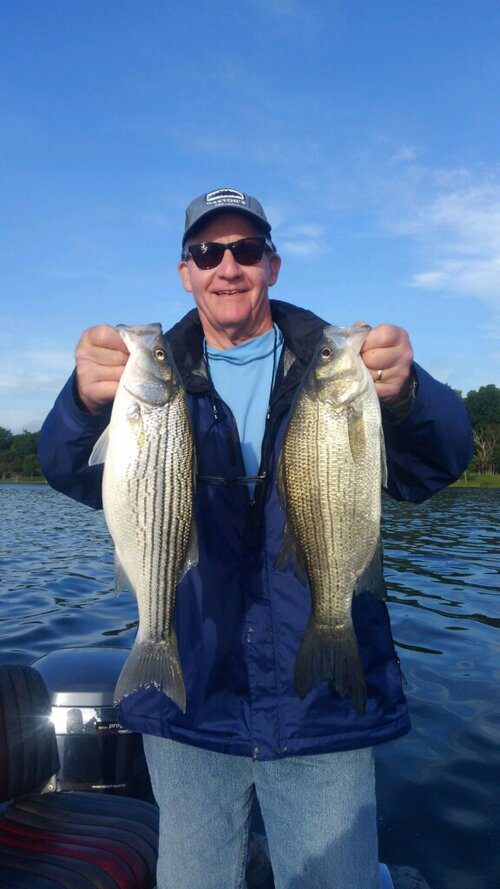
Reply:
x=332, y=485
x=148, y=497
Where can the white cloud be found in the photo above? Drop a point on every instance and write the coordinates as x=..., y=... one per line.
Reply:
x=288, y=8
x=462, y=231
x=302, y=249
x=155, y=218
x=305, y=230
x=302, y=239
x=29, y=371
x=405, y=154
x=454, y=216
x=469, y=277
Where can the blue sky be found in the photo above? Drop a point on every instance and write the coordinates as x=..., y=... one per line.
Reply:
x=369, y=129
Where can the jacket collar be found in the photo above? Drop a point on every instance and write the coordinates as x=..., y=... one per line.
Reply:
x=301, y=331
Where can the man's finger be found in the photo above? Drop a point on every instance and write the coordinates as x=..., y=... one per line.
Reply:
x=107, y=337
x=382, y=359
x=383, y=336
x=105, y=357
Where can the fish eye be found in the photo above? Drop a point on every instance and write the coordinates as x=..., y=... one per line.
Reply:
x=326, y=352
x=160, y=354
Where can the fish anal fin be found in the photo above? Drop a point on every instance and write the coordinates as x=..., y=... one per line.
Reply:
x=192, y=553
x=122, y=583
x=372, y=579
x=289, y=552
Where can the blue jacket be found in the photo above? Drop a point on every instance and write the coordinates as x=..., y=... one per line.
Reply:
x=239, y=621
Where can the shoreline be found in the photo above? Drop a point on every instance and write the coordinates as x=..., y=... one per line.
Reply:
x=23, y=481
x=475, y=481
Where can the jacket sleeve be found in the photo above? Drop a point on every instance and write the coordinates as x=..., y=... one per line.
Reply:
x=431, y=446
x=65, y=444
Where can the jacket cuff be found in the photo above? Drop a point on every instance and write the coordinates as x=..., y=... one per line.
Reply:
x=76, y=415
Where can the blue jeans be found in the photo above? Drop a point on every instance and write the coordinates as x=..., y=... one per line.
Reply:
x=319, y=814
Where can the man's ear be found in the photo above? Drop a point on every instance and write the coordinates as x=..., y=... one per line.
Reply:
x=183, y=270
x=274, y=266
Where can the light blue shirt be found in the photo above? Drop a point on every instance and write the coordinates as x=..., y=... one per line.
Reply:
x=243, y=377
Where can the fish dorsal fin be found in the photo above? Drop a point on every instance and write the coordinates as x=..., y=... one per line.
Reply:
x=100, y=448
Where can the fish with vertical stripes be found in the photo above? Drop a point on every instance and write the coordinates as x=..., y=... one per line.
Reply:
x=148, y=488
x=330, y=473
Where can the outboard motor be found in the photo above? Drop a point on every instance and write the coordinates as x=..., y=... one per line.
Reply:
x=95, y=751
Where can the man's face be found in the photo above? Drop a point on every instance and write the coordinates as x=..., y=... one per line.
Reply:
x=232, y=299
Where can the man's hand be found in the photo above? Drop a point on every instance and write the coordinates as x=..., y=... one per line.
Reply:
x=388, y=355
x=101, y=356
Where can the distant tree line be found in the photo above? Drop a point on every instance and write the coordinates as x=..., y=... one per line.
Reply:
x=18, y=455
x=18, y=458
x=483, y=407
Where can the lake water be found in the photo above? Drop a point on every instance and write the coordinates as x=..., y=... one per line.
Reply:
x=438, y=787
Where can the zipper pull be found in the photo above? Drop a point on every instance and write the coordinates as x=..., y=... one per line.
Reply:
x=251, y=513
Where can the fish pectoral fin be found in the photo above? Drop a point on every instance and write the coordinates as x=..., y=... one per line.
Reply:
x=136, y=423
x=122, y=583
x=192, y=553
x=356, y=433
x=372, y=579
x=100, y=448
x=300, y=570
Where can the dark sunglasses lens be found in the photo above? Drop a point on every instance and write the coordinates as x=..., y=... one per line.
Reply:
x=208, y=255
x=248, y=251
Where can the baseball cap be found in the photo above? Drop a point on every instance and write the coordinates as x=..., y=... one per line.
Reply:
x=228, y=199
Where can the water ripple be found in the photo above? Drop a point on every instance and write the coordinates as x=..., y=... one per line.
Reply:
x=438, y=786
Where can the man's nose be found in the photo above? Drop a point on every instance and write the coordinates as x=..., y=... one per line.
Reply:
x=228, y=266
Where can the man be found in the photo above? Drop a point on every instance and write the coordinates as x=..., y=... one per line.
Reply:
x=239, y=621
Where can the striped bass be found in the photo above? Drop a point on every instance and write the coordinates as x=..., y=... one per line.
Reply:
x=330, y=473
x=147, y=490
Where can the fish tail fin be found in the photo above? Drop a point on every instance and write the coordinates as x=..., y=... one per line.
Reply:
x=154, y=664
x=331, y=655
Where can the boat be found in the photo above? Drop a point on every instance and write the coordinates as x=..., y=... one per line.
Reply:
x=79, y=773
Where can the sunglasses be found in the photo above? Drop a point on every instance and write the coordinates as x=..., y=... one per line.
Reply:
x=246, y=251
